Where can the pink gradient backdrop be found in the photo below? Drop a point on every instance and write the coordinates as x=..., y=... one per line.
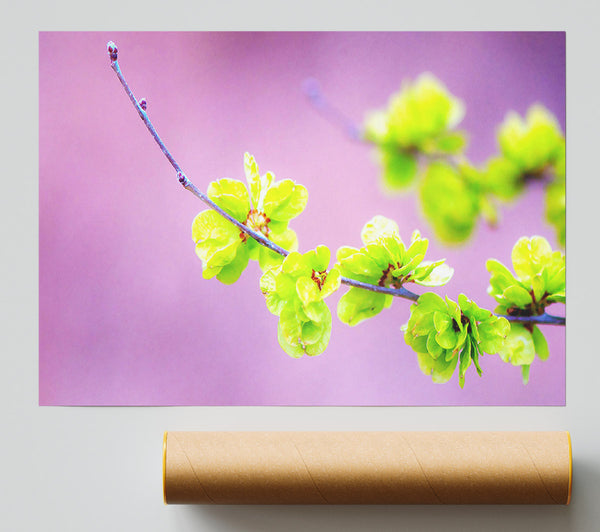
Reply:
x=125, y=316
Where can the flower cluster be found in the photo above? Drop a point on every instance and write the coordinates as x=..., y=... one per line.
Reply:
x=419, y=119
x=385, y=261
x=295, y=291
x=538, y=281
x=445, y=334
x=531, y=148
x=265, y=206
x=452, y=198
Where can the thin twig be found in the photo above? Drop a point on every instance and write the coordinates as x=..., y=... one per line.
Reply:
x=338, y=118
x=313, y=91
x=259, y=237
x=542, y=319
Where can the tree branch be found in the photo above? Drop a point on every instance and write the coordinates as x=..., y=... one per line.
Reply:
x=334, y=115
x=542, y=319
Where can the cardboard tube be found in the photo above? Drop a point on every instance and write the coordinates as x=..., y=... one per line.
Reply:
x=367, y=467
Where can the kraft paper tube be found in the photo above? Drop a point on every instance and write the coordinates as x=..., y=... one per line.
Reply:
x=367, y=467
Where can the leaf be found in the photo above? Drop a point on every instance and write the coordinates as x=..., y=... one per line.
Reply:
x=540, y=343
x=496, y=268
x=399, y=169
x=465, y=362
x=525, y=373
x=357, y=305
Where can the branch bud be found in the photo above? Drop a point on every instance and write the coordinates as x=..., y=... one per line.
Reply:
x=143, y=103
x=183, y=179
x=111, y=48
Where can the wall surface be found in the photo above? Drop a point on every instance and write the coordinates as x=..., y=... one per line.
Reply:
x=99, y=468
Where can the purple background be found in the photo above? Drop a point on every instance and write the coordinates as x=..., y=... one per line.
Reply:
x=125, y=316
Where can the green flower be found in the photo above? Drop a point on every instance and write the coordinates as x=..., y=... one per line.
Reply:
x=556, y=199
x=384, y=261
x=532, y=144
x=295, y=291
x=538, y=281
x=419, y=119
x=539, y=278
x=452, y=200
x=522, y=343
x=267, y=208
x=503, y=178
x=445, y=334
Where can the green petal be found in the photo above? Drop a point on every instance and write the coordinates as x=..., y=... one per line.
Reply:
x=454, y=310
x=210, y=225
x=439, y=369
x=268, y=259
x=357, y=263
x=217, y=257
x=518, y=347
x=441, y=321
x=322, y=256
x=431, y=301
x=296, y=264
x=307, y=290
x=518, y=295
x=377, y=228
x=529, y=256
x=417, y=248
x=451, y=143
x=434, y=349
x=538, y=286
x=252, y=177
x=231, y=272
x=286, y=238
x=439, y=276
x=285, y=200
x=332, y=282
x=447, y=339
x=232, y=196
